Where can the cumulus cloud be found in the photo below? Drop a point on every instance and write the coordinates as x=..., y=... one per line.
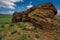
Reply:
x=8, y=3
x=58, y=12
x=30, y=5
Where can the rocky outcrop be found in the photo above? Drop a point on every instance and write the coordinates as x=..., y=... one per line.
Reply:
x=19, y=16
x=41, y=15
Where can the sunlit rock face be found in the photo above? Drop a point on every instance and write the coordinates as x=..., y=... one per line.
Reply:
x=41, y=15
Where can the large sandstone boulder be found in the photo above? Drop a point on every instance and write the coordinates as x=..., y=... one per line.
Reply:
x=44, y=16
x=18, y=17
x=41, y=15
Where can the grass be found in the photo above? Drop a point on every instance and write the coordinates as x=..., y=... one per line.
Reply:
x=37, y=36
x=23, y=37
x=56, y=39
x=5, y=19
x=21, y=26
x=58, y=17
x=11, y=25
x=58, y=32
x=29, y=35
x=1, y=36
x=1, y=27
x=14, y=31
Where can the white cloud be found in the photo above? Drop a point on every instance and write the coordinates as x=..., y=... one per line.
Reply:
x=30, y=5
x=58, y=10
x=8, y=3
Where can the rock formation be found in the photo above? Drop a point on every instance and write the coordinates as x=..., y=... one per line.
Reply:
x=19, y=16
x=41, y=15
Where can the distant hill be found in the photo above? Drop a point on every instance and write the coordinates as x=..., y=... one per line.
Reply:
x=5, y=14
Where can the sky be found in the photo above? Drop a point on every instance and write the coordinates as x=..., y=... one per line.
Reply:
x=11, y=6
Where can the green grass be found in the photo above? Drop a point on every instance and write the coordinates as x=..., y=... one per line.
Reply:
x=1, y=36
x=9, y=29
x=11, y=24
x=37, y=36
x=5, y=19
x=58, y=17
x=29, y=35
x=14, y=31
x=22, y=37
x=58, y=32
x=2, y=27
x=21, y=26
x=56, y=39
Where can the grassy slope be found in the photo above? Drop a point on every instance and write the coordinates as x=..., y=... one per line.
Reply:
x=4, y=19
x=9, y=31
x=58, y=17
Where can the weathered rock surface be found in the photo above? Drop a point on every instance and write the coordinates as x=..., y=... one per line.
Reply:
x=19, y=16
x=41, y=15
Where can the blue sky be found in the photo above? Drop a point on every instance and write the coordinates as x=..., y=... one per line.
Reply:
x=10, y=6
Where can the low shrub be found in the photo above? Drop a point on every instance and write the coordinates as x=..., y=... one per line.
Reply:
x=21, y=26
x=23, y=37
x=14, y=31
x=37, y=36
